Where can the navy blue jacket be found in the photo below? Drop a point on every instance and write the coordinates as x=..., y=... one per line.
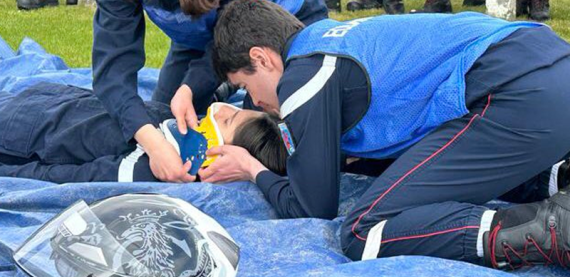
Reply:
x=118, y=54
x=312, y=186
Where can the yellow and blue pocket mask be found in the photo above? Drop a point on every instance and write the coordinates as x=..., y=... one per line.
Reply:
x=208, y=127
x=193, y=145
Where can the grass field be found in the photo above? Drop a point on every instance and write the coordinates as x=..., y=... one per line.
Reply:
x=67, y=30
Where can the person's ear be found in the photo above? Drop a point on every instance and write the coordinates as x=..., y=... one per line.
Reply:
x=260, y=58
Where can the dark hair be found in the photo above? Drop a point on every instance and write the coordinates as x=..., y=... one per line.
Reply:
x=244, y=24
x=198, y=7
x=261, y=137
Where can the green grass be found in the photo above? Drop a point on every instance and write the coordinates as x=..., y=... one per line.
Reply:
x=66, y=31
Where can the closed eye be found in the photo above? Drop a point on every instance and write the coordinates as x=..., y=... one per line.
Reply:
x=234, y=117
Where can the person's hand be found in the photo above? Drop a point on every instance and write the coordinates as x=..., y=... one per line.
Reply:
x=165, y=163
x=233, y=164
x=183, y=109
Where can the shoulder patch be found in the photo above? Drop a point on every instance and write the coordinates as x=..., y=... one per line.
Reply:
x=287, y=138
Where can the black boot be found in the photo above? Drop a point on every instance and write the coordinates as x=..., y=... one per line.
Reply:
x=333, y=5
x=539, y=10
x=530, y=234
x=356, y=5
x=71, y=2
x=393, y=6
x=435, y=6
x=522, y=7
x=35, y=4
x=473, y=2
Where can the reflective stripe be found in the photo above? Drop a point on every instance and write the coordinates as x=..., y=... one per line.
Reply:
x=311, y=88
x=127, y=166
x=553, y=182
x=373, y=242
x=486, y=220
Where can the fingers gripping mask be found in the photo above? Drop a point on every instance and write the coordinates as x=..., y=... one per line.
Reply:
x=193, y=146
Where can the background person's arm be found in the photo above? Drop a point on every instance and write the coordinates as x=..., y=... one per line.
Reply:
x=118, y=54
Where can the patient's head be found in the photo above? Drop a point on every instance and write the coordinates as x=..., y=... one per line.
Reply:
x=255, y=131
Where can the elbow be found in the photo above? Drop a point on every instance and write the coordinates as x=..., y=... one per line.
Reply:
x=310, y=212
x=324, y=214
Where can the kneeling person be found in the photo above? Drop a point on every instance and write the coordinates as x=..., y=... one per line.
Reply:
x=470, y=107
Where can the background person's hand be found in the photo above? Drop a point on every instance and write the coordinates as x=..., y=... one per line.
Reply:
x=234, y=163
x=165, y=163
x=183, y=109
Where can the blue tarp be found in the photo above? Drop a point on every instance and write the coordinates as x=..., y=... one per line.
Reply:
x=269, y=246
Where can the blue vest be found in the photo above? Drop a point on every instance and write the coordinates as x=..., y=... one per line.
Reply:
x=196, y=33
x=416, y=66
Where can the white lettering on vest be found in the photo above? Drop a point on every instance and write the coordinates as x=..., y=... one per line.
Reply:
x=342, y=30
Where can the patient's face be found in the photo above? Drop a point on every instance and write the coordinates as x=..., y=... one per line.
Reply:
x=230, y=118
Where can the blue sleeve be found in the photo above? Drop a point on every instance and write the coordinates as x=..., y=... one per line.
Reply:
x=118, y=54
x=312, y=11
x=312, y=186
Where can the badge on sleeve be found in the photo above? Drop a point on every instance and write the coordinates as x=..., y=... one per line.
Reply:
x=287, y=138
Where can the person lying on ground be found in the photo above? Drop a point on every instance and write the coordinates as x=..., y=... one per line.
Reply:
x=62, y=133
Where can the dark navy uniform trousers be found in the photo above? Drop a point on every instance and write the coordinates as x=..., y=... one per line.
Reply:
x=431, y=196
x=62, y=133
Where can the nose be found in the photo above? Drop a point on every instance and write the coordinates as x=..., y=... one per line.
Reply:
x=257, y=102
x=266, y=108
x=223, y=113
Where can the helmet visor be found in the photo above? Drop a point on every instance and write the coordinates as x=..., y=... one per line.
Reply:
x=76, y=243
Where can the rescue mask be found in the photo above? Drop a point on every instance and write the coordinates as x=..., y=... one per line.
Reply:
x=209, y=129
x=193, y=145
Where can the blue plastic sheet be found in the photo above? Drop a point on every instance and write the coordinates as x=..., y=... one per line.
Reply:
x=31, y=64
x=269, y=246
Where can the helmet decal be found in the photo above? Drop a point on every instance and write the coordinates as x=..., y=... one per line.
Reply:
x=155, y=252
x=142, y=235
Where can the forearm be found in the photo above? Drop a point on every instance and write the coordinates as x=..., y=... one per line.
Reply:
x=278, y=192
x=118, y=54
x=129, y=112
x=149, y=137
